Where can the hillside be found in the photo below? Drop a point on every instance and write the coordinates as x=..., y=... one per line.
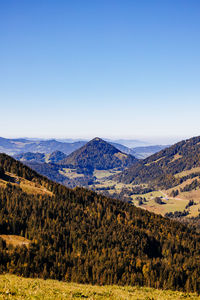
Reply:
x=14, y=287
x=100, y=155
x=31, y=157
x=77, y=235
x=56, y=157
x=165, y=168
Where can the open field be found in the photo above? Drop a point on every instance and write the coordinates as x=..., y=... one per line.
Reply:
x=170, y=204
x=99, y=174
x=14, y=287
x=70, y=173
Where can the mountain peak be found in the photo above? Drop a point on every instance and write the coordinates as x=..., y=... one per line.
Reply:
x=96, y=139
x=99, y=154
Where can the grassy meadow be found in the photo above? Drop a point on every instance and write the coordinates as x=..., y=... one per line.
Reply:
x=14, y=287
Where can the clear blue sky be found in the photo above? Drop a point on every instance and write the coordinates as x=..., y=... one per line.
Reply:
x=128, y=68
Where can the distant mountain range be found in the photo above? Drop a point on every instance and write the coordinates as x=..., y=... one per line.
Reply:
x=129, y=142
x=78, y=168
x=96, y=154
x=19, y=146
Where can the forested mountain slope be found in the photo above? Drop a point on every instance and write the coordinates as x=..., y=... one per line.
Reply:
x=160, y=169
x=77, y=235
x=98, y=154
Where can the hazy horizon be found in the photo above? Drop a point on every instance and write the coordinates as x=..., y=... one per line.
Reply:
x=141, y=140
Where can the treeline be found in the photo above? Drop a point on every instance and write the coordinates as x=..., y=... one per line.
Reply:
x=80, y=236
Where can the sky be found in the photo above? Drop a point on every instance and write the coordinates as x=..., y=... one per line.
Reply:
x=108, y=68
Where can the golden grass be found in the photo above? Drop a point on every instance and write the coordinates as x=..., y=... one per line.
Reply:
x=188, y=172
x=177, y=156
x=31, y=189
x=27, y=186
x=155, y=161
x=15, y=240
x=13, y=287
x=170, y=205
x=121, y=156
x=99, y=174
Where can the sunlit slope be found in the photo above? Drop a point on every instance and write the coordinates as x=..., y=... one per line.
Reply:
x=160, y=169
x=13, y=287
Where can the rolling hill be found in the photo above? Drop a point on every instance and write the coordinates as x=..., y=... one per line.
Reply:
x=80, y=236
x=31, y=157
x=16, y=287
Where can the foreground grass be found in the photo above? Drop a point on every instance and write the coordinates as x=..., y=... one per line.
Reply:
x=14, y=287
